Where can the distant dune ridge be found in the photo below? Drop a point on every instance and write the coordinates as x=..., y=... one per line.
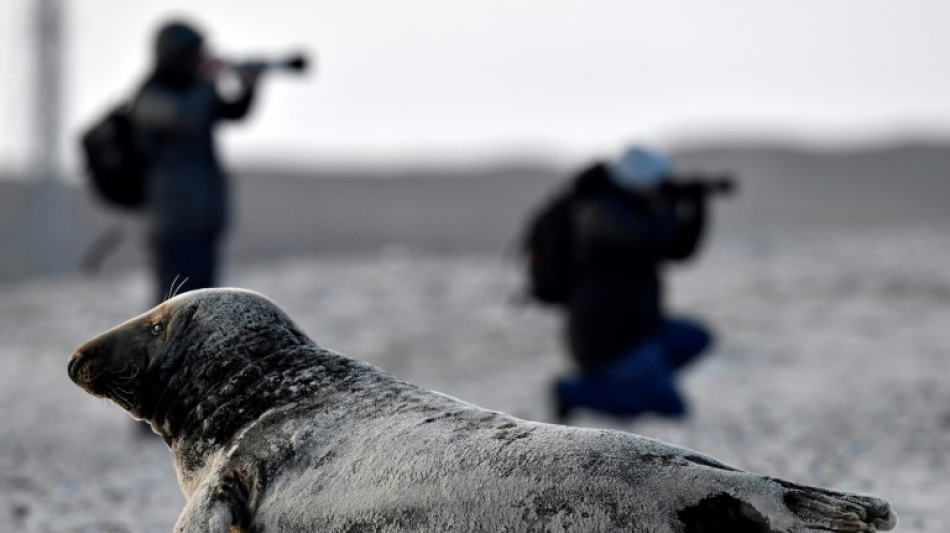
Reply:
x=280, y=212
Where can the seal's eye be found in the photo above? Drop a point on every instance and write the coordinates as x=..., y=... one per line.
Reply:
x=157, y=329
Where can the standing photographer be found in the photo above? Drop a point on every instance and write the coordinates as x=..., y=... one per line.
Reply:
x=186, y=189
x=618, y=223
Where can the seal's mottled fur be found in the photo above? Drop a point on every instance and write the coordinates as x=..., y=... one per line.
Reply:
x=272, y=433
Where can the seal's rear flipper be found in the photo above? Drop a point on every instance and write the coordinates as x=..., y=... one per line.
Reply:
x=802, y=509
x=827, y=510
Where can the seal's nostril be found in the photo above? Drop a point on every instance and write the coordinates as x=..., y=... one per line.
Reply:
x=74, y=362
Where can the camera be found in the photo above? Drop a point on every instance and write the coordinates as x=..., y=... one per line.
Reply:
x=700, y=184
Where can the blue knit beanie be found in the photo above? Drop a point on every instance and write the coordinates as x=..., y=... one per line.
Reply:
x=639, y=169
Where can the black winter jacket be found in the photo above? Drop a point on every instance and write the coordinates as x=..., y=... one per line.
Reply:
x=186, y=190
x=621, y=240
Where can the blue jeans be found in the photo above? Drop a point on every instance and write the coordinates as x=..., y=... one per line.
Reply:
x=642, y=378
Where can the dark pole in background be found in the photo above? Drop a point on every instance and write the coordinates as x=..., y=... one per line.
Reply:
x=51, y=209
x=49, y=26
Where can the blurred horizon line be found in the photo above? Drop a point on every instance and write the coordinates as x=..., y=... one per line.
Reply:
x=546, y=156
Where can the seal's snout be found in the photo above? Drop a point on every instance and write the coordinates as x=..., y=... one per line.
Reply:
x=75, y=363
x=89, y=361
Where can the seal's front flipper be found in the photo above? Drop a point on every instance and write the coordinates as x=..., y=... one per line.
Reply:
x=206, y=514
x=828, y=510
x=214, y=520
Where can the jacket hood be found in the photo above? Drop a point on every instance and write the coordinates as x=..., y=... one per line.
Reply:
x=176, y=53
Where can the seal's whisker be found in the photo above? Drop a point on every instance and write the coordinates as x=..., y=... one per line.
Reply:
x=180, y=285
x=122, y=390
x=118, y=395
x=108, y=393
x=171, y=288
x=121, y=400
x=125, y=378
x=121, y=370
x=120, y=384
x=126, y=374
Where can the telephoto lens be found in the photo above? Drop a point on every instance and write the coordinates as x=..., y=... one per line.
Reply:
x=294, y=63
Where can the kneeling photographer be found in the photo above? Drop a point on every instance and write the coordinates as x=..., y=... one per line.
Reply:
x=597, y=250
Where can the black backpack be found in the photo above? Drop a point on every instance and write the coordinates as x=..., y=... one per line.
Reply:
x=116, y=161
x=549, y=248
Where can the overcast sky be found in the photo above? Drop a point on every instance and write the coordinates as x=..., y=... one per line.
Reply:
x=411, y=79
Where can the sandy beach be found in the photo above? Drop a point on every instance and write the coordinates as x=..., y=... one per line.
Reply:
x=829, y=368
x=830, y=304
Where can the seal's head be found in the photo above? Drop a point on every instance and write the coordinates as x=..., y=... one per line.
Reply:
x=164, y=365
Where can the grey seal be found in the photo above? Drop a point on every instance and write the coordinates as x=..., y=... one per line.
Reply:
x=272, y=433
